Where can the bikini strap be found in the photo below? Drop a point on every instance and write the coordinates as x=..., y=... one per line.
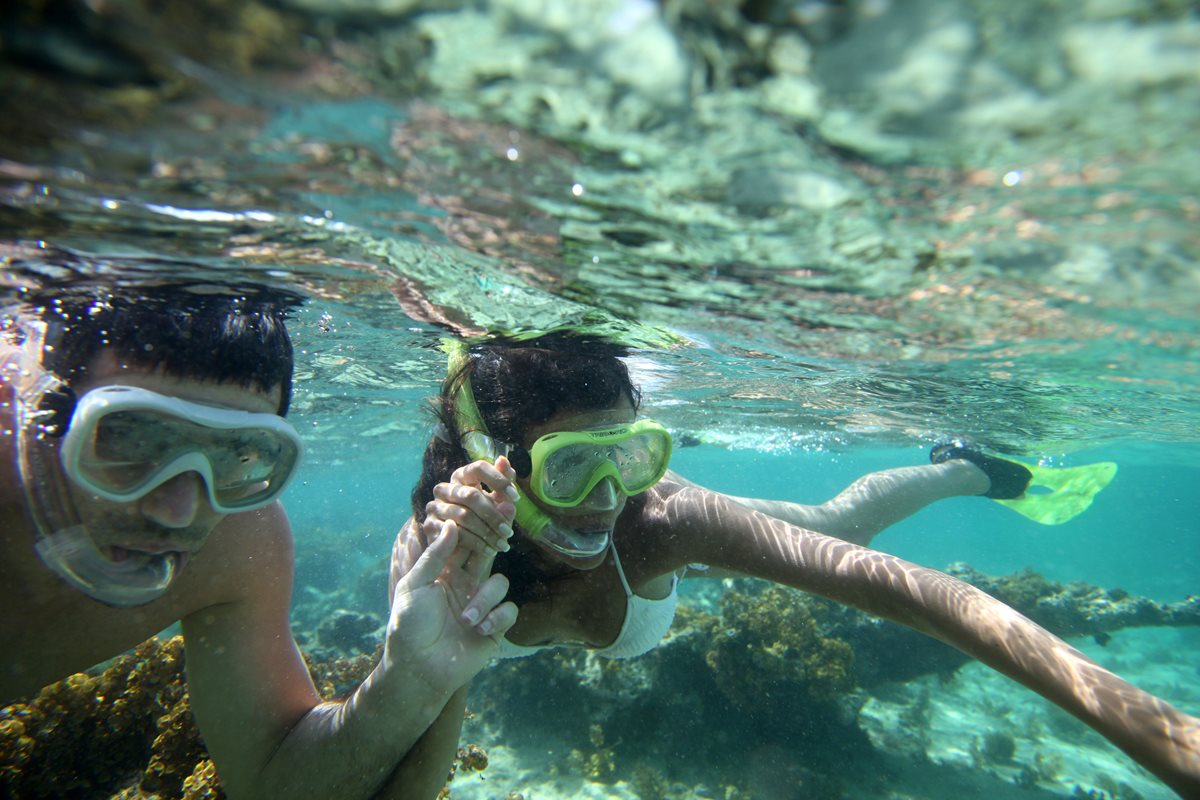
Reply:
x=620, y=570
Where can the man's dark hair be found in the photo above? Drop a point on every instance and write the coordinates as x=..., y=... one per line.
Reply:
x=233, y=334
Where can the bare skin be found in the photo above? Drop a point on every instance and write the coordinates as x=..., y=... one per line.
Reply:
x=874, y=502
x=679, y=524
x=261, y=717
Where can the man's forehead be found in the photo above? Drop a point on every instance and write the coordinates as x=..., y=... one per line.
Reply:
x=108, y=370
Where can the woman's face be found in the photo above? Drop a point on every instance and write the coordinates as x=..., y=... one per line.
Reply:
x=599, y=511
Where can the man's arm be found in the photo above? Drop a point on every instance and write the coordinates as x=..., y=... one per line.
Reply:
x=424, y=771
x=482, y=517
x=261, y=717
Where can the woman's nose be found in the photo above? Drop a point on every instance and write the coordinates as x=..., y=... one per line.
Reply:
x=176, y=503
x=603, y=497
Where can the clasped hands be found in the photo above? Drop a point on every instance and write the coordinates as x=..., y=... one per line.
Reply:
x=448, y=612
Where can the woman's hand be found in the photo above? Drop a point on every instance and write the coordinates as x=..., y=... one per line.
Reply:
x=447, y=614
x=479, y=498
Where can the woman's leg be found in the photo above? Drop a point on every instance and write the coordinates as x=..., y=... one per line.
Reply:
x=875, y=501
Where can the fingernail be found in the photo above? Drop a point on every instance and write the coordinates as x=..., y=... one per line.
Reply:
x=504, y=547
x=512, y=493
x=471, y=616
x=506, y=529
x=485, y=627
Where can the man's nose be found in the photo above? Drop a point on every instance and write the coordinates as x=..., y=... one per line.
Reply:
x=176, y=503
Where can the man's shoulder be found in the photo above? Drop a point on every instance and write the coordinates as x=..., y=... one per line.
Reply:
x=246, y=554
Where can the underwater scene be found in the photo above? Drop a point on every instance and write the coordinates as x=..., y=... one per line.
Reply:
x=833, y=234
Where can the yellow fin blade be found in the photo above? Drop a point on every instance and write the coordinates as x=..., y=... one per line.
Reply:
x=1056, y=495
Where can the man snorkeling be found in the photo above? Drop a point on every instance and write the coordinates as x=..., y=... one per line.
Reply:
x=603, y=533
x=144, y=453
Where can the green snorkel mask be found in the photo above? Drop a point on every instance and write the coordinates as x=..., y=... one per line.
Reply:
x=564, y=467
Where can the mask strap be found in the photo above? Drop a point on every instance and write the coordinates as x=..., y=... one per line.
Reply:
x=474, y=435
x=45, y=405
x=522, y=462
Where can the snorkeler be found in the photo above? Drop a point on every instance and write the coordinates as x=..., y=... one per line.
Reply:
x=603, y=533
x=144, y=454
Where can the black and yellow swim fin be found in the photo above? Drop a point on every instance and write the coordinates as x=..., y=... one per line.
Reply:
x=1048, y=495
x=1058, y=494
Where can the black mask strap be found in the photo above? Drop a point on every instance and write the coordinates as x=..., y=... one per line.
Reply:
x=55, y=409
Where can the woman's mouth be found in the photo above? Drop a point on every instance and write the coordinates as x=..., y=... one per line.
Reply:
x=594, y=531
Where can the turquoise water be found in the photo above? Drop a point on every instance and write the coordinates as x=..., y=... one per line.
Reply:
x=836, y=232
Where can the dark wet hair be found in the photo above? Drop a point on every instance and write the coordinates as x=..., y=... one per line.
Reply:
x=233, y=334
x=518, y=384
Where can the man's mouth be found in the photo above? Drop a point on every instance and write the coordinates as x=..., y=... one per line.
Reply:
x=119, y=554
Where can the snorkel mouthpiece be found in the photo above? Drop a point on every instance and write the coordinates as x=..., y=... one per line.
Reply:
x=135, y=581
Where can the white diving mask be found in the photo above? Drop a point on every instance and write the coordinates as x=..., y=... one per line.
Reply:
x=123, y=443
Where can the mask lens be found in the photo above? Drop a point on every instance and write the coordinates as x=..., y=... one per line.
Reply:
x=640, y=460
x=566, y=471
x=570, y=469
x=127, y=453
x=249, y=465
x=128, y=448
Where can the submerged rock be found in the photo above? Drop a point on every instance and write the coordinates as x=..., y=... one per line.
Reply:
x=349, y=632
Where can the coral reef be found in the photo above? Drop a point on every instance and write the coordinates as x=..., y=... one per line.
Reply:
x=996, y=747
x=128, y=732
x=347, y=632
x=471, y=758
x=759, y=671
x=336, y=677
x=649, y=783
x=771, y=665
x=1078, y=608
x=600, y=764
x=780, y=648
x=756, y=664
x=340, y=606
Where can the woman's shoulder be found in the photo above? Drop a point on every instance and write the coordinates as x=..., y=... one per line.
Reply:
x=670, y=485
x=658, y=509
x=654, y=523
x=677, y=493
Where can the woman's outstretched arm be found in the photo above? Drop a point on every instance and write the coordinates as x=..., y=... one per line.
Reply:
x=698, y=525
x=875, y=501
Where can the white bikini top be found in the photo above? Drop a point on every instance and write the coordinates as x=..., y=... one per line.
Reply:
x=646, y=623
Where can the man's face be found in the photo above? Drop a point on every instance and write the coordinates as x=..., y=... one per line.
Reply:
x=177, y=515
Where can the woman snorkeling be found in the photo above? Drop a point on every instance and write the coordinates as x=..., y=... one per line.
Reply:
x=545, y=434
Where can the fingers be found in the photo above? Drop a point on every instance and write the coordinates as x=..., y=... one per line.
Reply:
x=498, y=622
x=433, y=561
x=476, y=514
x=478, y=565
x=486, y=611
x=499, y=477
x=480, y=499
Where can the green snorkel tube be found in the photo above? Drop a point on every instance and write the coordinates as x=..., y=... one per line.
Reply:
x=475, y=438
